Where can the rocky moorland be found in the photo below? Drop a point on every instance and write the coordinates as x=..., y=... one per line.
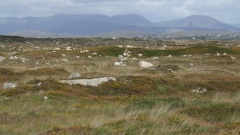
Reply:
x=131, y=86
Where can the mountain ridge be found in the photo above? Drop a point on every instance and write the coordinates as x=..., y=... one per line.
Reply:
x=198, y=21
x=85, y=24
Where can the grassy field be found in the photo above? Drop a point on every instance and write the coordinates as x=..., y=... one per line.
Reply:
x=193, y=88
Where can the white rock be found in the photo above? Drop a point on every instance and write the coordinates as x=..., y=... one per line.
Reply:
x=155, y=58
x=2, y=59
x=145, y=64
x=119, y=64
x=91, y=82
x=64, y=60
x=94, y=53
x=169, y=56
x=140, y=55
x=7, y=85
x=56, y=49
x=129, y=53
x=74, y=75
x=120, y=56
x=233, y=58
x=129, y=46
x=162, y=48
x=134, y=59
x=45, y=97
x=13, y=58
x=24, y=60
x=68, y=48
x=124, y=59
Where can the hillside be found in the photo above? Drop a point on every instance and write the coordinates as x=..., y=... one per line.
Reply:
x=75, y=25
x=196, y=21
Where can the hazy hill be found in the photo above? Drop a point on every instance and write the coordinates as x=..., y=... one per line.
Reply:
x=68, y=24
x=135, y=20
x=236, y=25
x=196, y=21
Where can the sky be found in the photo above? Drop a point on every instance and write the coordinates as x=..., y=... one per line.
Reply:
x=155, y=10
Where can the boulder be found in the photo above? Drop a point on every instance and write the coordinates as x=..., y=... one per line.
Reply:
x=74, y=75
x=140, y=55
x=2, y=59
x=7, y=85
x=91, y=82
x=119, y=64
x=145, y=64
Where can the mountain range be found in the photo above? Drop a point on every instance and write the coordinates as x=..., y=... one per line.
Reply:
x=68, y=24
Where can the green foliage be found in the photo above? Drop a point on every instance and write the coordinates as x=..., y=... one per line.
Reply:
x=174, y=120
x=200, y=49
x=110, y=51
x=161, y=89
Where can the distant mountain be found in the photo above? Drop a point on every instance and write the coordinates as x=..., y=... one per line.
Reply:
x=97, y=24
x=134, y=20
x=38, y=34
x=197, y=21
x=8, y=25
x=91, y=27
x=236, y=25
x=43, y=23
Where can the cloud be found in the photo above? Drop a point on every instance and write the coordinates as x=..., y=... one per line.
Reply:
x=155, y=10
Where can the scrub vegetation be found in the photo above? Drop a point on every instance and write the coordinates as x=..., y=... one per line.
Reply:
x=193, y=87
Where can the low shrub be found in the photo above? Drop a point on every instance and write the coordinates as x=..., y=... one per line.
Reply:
x=213, y=112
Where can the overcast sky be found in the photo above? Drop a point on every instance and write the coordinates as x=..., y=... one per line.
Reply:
x=154, y=10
